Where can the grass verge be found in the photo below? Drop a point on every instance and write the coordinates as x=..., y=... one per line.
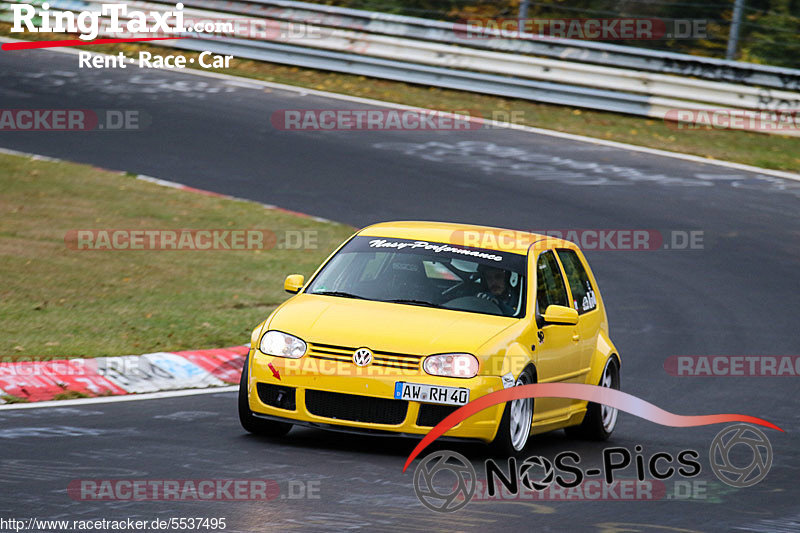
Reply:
x=56, y=301
x=769, y=151
x=10, y=398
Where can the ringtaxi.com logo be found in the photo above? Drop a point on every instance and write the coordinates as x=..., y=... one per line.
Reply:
x=189, y=239
x=73, y=120
x=118, y=20
x=88, y=23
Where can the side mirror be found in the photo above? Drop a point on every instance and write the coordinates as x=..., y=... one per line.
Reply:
x=559, y=314
x=294, y=283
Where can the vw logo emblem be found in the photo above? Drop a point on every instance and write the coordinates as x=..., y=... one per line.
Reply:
x=362, y=357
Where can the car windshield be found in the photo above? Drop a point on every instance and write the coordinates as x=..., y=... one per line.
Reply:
x=426, y=274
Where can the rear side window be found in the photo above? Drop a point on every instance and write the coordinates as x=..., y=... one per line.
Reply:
x=583, y=298
x=550, y=288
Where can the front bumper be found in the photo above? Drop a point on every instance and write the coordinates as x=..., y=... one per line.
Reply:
x=358, y=388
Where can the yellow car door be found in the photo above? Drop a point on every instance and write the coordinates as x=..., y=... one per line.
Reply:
x=584, y=301
x=559, y=358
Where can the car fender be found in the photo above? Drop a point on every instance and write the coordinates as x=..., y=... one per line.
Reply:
x=513, y=361
x=603, y=350
x=255, y=336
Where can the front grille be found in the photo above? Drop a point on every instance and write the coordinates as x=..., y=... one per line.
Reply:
x=278, y=396
x=356, y=408
x=344, y=354
x=431, y=414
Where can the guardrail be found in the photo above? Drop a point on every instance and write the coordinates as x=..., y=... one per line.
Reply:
x=583, y=51
x=436, y=53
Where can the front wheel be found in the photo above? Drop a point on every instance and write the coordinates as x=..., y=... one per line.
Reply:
x=257, y=426
x=600, y=420
x=515, y=426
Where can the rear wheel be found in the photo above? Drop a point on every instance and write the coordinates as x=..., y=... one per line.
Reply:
x=250, y=423
x=600, y=420
x=515, y=426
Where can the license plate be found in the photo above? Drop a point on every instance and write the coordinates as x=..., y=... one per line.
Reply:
x=419, y=392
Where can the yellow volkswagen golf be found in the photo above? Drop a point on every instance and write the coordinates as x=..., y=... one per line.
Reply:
x=407, y=321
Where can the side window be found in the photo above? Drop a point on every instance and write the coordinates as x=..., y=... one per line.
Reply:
x=583, y=298
x=550, y=288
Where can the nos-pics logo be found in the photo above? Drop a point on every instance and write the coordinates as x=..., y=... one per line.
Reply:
x=446, y=481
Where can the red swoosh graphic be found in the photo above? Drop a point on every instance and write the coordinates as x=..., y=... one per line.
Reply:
x=27, y=45
x=592, y=393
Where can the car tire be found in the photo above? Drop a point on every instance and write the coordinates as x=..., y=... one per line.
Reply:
x=600, y=420
x=251, y=424
x=514, y=431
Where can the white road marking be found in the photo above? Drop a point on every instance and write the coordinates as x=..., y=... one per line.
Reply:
x=123, y=398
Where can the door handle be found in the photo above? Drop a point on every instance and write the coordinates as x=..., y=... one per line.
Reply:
x=576, y=337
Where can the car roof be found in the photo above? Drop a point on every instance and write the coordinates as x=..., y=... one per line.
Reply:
x=487, y=237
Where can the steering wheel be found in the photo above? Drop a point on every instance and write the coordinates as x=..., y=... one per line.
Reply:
x=461, y=284
x=473, y=303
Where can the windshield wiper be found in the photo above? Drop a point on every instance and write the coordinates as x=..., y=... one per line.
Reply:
x=414, y=302
x=341, y=294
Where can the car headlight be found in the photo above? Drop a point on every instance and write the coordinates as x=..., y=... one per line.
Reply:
x=282, y=344
x=453, y=365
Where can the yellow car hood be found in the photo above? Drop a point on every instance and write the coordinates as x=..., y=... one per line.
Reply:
x=401, y=328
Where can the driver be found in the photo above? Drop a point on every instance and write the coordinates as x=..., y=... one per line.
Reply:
x=497, y=288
